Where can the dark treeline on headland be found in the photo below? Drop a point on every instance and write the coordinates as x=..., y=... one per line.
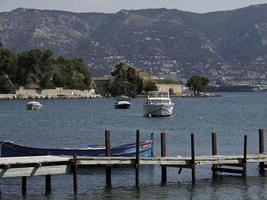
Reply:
x=40, y=69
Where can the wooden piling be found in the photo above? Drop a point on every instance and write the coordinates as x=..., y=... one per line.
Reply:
x=245, y=157
x=48, y=184
x=214, y=152
x=193, y=167
x=24, y=185
x=137, y=159
x=49, y=165
x=261, y=150
x=108, y=153
x=74, y=174
x=163, y=154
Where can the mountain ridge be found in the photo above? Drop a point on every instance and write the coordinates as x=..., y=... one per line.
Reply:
x=224, y=45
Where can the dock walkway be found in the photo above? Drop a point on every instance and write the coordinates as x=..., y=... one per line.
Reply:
x=52, y=165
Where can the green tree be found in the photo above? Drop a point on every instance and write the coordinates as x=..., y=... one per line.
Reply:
x=8, y=69
x=36, y=68
x=125, y=82
x=47, y=82
x=150, y=85
x=166, y=81
x=31, y=67
x=198, y=84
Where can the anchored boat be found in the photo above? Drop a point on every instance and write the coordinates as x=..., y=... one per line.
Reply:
x=123, y=102
x=10, y=149
x=34, y=105
x=158, y=104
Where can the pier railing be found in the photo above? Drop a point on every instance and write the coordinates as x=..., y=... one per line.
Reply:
x=51, y=165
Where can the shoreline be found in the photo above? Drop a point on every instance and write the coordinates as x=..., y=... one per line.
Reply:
x=18, y=97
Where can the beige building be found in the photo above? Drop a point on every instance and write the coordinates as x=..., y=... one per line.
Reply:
x=142, y=73
x=173, y=89
x=55, y=93
x=100, y=84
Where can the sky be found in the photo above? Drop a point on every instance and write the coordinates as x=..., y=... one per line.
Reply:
x=112, y=6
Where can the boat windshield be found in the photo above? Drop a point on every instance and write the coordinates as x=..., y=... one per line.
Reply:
x=158, y=101
x=156, y=94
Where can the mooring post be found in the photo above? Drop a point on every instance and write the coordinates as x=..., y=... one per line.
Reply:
x=24, y=185
x=214, y=152
x=108, y=153
x=163, y=154
x=261, y=150
x=48, y=184
x=137, y=158
x=193, y=159
x=47, y=181
x=74, y=174
x=245, y=157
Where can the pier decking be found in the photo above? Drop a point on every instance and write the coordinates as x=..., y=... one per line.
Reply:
x=51, y=165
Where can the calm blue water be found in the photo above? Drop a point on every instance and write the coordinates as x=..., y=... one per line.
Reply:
x=77, y=123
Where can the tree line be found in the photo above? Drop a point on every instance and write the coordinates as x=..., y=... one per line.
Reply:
x=125, y=81
x=41, y=69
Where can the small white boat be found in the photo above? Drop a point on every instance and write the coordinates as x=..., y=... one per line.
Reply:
x=34, y=105
x=123, y=98
x=122, y=104
x=158, y=104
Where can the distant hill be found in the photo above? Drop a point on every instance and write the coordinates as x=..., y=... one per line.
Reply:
x=229, y=45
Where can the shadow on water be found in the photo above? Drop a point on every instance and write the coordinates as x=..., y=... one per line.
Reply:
x=224, y=187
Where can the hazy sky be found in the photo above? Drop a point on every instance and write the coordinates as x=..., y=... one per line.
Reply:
x=116, y=5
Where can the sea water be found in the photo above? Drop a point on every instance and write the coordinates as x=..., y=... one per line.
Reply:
x=78, y=123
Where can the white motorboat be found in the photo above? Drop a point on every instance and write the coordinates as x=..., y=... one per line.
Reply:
x=122, y=104
x=123, y=98
x=158, y=104
x=34, y=105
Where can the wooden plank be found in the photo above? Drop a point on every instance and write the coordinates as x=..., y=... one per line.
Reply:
x=199, y=160
x=23, y=185
x=131, y=162
x=261, y=150
x=108, y=153
x=163, y=154
x=32, y=160
x=32, y=171
x=193, y=164
x=245, y=157
x=75, y=175
x=214, y=151
x=48, y=184
x=137, y=159
x=261, y=141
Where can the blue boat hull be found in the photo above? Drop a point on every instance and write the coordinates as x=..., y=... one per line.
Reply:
x=10, y=149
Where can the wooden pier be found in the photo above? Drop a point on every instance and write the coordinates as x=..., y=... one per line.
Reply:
x=51, y=165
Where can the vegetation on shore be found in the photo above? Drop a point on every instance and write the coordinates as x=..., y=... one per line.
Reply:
x=150, y=85
x=40, y=69
x=198, y=84
x=125, y=81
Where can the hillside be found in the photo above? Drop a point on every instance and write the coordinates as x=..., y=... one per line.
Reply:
x=226, y=46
